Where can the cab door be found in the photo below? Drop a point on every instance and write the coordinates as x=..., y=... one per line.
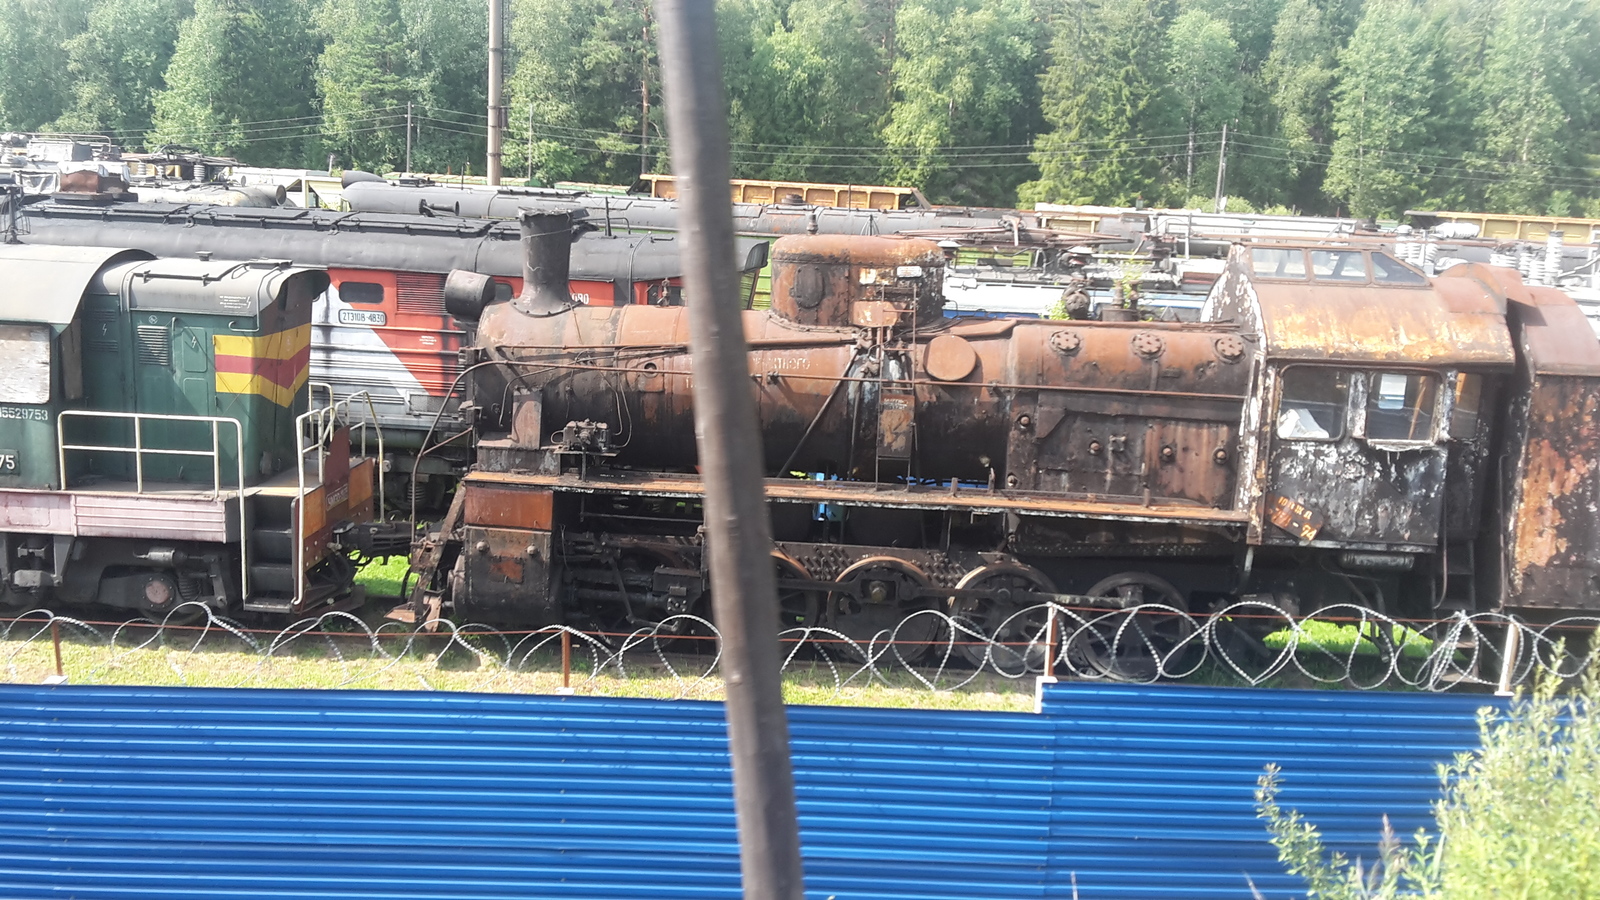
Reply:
x=1357, y=458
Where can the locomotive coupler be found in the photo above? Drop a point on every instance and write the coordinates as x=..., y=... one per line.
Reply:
x=374, y=540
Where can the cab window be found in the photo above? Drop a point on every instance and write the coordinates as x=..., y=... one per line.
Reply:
x=25, y=378
x=1312, y=404
x=1271, y=263
x=1338, y=265
x=1464, y=413
x=1400, y=406
x=361, y=292
x=1388, y=270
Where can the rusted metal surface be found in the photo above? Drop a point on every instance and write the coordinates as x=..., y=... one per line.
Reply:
x=505, y=570
x=950, y=358
x=1364, y=496
x=1065, y=444
x=846, y=493
x=1553, y=517
x=502, y=507
x=1416, y=325
x=819, y=279
x=546, y=263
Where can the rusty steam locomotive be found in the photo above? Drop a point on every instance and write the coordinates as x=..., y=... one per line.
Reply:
x=1338, y=428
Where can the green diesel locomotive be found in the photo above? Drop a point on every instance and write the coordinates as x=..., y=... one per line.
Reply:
x=158, y=448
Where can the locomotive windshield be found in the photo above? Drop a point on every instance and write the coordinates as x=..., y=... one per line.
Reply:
x=1338, y=265
x=26, y=350
x=1400, y=406
x=1388, y=270
x=1273, y=263
x=1335, y=266
x=1313, y=404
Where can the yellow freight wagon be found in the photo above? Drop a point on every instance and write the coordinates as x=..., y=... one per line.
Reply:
x=844, y=196
x=1511, y=227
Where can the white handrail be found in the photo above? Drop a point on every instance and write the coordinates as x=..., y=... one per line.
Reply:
x=324, y=422
x=139, y=450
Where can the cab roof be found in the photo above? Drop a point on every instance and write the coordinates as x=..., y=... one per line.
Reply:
x=1346, y=303
x=43, y=284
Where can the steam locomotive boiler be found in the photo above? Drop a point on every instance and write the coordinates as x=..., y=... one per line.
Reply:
x=1341, y=428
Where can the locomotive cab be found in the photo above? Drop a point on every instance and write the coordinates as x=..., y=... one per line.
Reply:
x=158, y=417
x=1377, y=414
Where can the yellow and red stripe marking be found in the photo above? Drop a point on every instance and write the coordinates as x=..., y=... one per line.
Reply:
x=273, y=365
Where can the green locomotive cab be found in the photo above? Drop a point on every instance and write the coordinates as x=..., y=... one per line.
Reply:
x=157, y=446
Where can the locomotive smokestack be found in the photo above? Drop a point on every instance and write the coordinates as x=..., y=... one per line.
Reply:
x=546, y=261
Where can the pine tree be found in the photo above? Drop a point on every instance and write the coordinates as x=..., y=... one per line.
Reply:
x=814, y=79
x=1299, y=75
x=588, y=69
x=117, y=64
x=1204, y=83
x=963, y=76
x=35, y=83
x=1381, y=111
x=1101, y=94
x=1250, y=23
x=448, y=44
x=240, y=82
x=364, y=78
x=1534, y=106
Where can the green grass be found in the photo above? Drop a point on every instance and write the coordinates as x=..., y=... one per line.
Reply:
x=384, y=577
x=222, y=660
x=1339, y=639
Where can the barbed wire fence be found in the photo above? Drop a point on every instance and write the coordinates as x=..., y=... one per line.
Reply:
x=1246, y=643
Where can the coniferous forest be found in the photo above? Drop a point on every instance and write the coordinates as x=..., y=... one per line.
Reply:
x=1356, y=107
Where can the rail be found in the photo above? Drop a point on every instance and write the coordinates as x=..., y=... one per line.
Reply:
x=320, y=423
x=139, y=450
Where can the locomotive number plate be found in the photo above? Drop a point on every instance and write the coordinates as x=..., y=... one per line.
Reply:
x=1299, y=520
x=8, y=461
x=362, y=317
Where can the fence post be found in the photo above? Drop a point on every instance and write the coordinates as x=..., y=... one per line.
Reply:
x=60, y=677
x=566, y=659
x=1049, y=676
x=1508, y=659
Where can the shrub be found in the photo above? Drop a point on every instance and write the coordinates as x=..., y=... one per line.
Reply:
x=1519, y=817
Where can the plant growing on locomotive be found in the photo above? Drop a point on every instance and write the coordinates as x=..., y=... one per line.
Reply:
x=153, y=409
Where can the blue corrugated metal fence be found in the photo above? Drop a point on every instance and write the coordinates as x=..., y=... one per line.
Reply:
x=1153, y=793
x=1132, y=792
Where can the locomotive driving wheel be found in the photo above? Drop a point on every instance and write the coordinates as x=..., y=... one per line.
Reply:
x=1019, y=630
x=797, y=607
x=1134, y=644
x=876, y=599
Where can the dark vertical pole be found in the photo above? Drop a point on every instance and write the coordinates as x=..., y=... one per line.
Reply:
x=743, y=586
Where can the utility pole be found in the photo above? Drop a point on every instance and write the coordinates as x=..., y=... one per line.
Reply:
x=739, y=536
x=496, y=51
x=1222, y=170
x=530, y=142
x=644, y=99
x=408, y=137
